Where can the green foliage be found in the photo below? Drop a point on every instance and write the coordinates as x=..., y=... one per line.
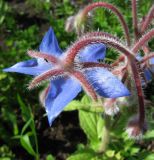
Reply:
x=92, y=124
x=50, y=157
x=6, y=153
x=25, y=136
x=22, y=25
x=3, y=10
x=85, y=104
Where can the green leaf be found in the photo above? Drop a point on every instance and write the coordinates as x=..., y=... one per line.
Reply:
x=73, y=105
x=86, y=154
x=149, y=134
x=11, y=117
x=86, y=105
x=86, y=100
x=92, y=125
x=25, y=110
x=26, y=126
x=25, y=142
x=110, y=153
x=5, y=158
x=150, y=157
x=50, y=157
x=134, y=150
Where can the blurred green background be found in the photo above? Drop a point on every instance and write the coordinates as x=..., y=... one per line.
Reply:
x=22, y=26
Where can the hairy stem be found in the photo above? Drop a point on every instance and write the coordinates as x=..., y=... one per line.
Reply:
x=148, y=19
x=46, y=56
x=151, y=55
x=148, y=36
x=44, y=76
x=140, y=94
x=115, y=11
x=94, y=64
x=72, y=52
x=87, y=86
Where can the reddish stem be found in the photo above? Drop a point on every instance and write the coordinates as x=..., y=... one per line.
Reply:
x=147, y=19
x=139, y=91
x=115, y=11
x=46, y=56
x=121, y=58
x=144, y=39
x=99, y=34
x=94, y=64
x=86, y=85
x=122, y=49
x=151, y=55
x=44, y=76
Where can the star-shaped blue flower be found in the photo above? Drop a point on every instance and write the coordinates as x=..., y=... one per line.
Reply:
x=65, y=78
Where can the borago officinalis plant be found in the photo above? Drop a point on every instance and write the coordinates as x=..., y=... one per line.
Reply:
x=68, y=71
x=134, y=69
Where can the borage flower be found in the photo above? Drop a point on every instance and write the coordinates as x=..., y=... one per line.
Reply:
x=66, y=78
x=146, y=65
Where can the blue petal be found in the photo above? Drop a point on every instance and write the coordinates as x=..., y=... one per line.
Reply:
x=30, y=67
x=49, y=44
x=92, y=53
x=151, y=62
x=106, y=84
x=147, y=74
x=60, y=93
x=138, y=57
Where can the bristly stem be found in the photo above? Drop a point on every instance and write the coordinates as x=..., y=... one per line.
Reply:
x=148, y=19
x=115, y=11
x=94, y=64
x=144, y=39
x=140, y=94
x=85, y=83
x=151, y=55
x=89, y=34
x=98, y=38
x=74, y=50
x=35, y=54
x=44, y=76
x=135, y=21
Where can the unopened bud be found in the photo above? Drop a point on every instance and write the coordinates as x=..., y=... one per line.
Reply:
x=135, y=130
x=110, y=107
x=69, y=25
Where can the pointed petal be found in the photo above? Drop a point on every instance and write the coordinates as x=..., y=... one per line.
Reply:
x=151, y=62
x=49, y=44
x=30, y=67
x=106, y=84
x=60, y=93
x=92, y=53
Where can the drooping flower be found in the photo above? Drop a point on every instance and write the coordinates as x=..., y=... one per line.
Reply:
x=66, y=78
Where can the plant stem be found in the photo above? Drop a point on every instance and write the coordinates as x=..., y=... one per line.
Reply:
x=106, y=134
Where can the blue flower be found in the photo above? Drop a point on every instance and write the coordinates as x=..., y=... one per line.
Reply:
x=65, y=78
x=148, y=70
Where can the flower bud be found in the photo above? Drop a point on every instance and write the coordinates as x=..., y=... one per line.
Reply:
x=135, y=129
x=69, y=25
x=110, y=107
x=76, y=22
